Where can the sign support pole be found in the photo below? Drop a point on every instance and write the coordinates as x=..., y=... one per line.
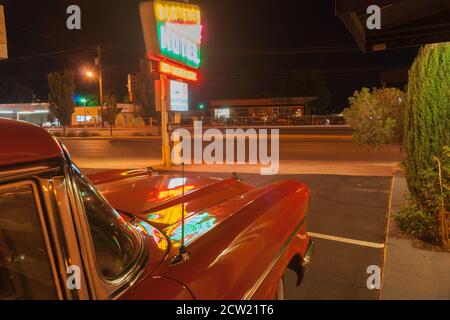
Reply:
x=165, y=123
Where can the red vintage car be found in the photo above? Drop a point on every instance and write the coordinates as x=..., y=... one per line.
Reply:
x=136, y=234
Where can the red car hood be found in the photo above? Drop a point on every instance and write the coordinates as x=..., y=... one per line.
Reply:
x=230, y=229
x=158, y=198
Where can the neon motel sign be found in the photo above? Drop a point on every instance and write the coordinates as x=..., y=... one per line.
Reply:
x=178, y=72
x=172, y=31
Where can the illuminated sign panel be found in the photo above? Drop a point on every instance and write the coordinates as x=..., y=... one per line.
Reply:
x=179, y=97
x=178, y=72
x=173, y=30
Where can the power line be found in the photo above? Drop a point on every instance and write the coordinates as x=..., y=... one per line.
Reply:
x=41, y=56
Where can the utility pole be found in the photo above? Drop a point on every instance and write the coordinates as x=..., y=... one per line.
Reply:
x=130, y=88
x=130, y=93
x=100, y=82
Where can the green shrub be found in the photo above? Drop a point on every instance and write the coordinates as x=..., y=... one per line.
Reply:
x=426, y=135
x=418, y=223
x=376, y=116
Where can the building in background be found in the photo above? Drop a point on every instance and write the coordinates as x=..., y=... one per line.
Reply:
x=37, y=113
x=86, y=116
x=91, y=116
x=260, y=111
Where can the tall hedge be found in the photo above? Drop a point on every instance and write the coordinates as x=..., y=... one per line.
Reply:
x=427, y=129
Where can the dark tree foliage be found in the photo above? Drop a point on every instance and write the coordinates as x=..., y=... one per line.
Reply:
x=61, y=96
x=111, y=110
x=143, y=90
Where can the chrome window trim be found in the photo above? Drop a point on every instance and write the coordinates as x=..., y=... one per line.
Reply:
x=100, y=287
x=62, y=226
x=44, y=230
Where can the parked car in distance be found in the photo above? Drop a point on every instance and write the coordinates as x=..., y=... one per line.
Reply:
x=137, y=234
x=51, y=124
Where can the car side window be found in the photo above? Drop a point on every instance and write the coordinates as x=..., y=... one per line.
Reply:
x=25, y=271
x=115, y=246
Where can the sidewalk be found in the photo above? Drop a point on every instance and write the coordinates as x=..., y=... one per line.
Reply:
x=411, y=273
x=345, y=168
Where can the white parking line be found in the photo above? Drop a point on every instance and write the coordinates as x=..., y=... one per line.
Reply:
x=347, y=240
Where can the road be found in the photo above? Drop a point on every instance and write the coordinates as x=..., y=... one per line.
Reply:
x=117, y=153
x=299, y=130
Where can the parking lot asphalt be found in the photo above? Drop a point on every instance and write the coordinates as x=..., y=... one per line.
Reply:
x=347, y=220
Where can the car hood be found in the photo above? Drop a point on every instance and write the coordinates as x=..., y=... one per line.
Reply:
x=159, y=199
x=228, y=225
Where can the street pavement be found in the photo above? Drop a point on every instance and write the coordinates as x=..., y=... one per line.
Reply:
x=154, y=131
x=300, y=155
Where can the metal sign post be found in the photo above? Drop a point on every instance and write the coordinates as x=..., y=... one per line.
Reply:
x=164, y=90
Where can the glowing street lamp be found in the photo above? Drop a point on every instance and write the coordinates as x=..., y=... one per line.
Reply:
x=91, y=75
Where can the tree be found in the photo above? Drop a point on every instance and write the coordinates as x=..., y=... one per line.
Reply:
x=377, y=116
x=144, y=91
x=111, y=110
x=427, y=133
x=62, y=91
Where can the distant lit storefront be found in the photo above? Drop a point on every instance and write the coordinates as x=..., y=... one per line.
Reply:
x=37, y=113
x=260, y=110
x=92, y=116
x=86, y=116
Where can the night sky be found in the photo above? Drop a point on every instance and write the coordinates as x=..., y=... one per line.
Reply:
x=250, y=46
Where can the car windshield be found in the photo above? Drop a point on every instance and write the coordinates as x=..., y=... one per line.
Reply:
x=116, y=245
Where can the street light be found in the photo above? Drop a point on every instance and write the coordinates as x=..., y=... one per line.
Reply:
x=91, y=75
x=83, y=101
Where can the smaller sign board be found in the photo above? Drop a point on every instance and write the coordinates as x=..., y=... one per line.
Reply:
x=179, y=96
